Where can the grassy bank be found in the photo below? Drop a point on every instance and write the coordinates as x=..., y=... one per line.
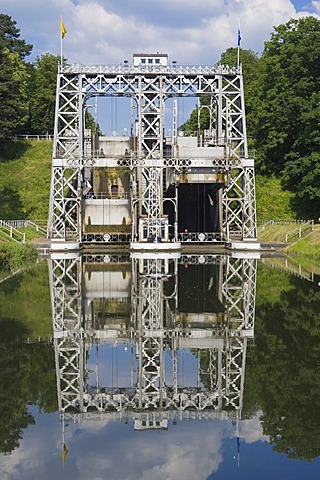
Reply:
x=309, y=245
x=14, y=255
x=25, y=170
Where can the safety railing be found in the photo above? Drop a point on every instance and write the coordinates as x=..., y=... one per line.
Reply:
x=107, y=196
x=33, y=137
x=9, y=231
x=25, y=224
x=106, y=238
x=290, y=230
x=202, y=237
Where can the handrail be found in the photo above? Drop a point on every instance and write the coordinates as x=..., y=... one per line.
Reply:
x=23, y=224
x=12, y=232
x=32, y=137
x=302, y=228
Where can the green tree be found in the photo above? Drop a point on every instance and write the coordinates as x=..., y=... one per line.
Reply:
x=10, y=37
x=42, y=94
x=288, y=133
x=13, y=77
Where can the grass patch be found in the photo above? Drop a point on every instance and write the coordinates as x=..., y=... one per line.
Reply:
x=14, y=256
x=25, y=172
x=277, y=232
x=309, y=245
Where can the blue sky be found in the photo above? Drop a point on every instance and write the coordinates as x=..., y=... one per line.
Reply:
x=109, y=31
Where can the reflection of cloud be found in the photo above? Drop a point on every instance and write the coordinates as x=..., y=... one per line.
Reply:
x=105, y=448
x=188, y=450
x=251, y=430
x=38, y=449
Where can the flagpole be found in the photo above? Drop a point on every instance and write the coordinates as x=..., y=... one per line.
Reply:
x=238, y=59
x=239, y=40
x=61, y=53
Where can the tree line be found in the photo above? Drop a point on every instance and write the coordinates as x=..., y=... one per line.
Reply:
x=281, y=92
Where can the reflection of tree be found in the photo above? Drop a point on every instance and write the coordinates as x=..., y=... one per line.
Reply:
x=25, y=298
x=27, y=376
x=282, y=375
x=27, y=371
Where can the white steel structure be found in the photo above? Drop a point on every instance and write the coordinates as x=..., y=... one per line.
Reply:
x=157, y=167
x=157, y=328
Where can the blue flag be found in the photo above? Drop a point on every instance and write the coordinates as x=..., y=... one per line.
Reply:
x=239, y=37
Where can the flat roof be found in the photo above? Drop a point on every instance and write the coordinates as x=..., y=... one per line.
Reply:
x=150, y=54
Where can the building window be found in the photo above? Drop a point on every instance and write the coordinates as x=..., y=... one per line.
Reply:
x=150, y=60
x=157, y=60
x=143, y=60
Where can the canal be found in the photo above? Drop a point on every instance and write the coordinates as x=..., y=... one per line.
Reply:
x=141, y=367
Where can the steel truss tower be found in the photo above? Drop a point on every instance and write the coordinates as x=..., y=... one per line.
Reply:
x=155, y=327
x=154, y=169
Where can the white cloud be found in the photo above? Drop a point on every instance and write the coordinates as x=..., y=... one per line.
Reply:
x=316, y=5
x=108, y=31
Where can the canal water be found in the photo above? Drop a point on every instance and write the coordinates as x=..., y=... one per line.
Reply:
x=146, y=367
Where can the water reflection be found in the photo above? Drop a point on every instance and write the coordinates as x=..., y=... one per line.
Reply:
x=148, y=359
x=151, y=339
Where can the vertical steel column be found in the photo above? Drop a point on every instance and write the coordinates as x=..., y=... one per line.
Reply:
x=67, y=161
x=150, y=162
x=238, y=198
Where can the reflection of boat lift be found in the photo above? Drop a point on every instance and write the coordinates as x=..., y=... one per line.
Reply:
x=150, y=401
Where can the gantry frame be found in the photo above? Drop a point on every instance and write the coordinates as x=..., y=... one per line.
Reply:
x=149, y=87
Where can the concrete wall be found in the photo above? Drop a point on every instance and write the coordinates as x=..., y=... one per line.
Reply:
x=114, y=146
x=106, y=212
x=187, y=148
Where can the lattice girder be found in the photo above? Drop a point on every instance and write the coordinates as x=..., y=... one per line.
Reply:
x=238, y=200
x=149, y=88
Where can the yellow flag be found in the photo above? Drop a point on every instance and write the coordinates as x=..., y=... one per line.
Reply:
x=63, y=29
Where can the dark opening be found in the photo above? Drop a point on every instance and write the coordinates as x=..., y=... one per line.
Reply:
x=198, y=209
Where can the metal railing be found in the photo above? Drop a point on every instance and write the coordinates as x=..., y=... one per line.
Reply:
x=25, y=224
x=202, y=237
x=33, y=137
x=107, y=196
x=11, y=232
x=302, y=228
x=155, y=69
x=106, y=238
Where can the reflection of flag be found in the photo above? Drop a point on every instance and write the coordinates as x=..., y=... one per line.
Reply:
x=239, y=37
x=64, y=453
x=63, y=29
